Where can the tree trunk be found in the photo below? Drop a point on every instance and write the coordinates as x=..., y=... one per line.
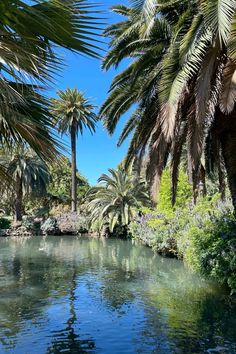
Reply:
x=73, y=171
x=221, y=178
x=226, y=129
x=19, y=199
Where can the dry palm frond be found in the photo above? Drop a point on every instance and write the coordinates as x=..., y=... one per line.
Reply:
x=158, y=155
x=228, y=93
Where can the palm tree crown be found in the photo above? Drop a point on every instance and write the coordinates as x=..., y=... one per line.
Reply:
x=73, y=111
x=182, y=76
x=28, y=172
x=117, y=199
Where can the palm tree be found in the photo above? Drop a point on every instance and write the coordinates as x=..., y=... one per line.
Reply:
x=29, y=174
x=74, y=113
x=118, y=198
x=146, y=42
x=30, y=37
x=187, y=98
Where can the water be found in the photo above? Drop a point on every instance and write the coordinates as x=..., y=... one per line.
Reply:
x=71, y=295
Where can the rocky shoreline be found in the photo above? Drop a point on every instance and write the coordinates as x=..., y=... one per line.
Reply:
x=58, y=226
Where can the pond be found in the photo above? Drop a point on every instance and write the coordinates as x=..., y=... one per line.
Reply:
x=76, y=295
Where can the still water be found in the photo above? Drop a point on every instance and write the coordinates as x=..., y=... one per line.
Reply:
x=73, y=295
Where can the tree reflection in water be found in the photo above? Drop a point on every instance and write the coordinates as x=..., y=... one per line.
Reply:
x=66, y=340
x=140, y=301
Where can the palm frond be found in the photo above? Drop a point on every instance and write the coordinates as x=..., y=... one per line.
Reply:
x=228, y=93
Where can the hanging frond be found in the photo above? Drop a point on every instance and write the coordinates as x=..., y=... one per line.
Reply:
x=218, y=16
x=228, y=92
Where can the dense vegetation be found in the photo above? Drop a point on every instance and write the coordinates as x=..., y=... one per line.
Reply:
x=170, y=191
x=203, y=235
x=182, y=79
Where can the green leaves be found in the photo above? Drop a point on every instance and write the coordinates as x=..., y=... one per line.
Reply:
x=218, y=16
x=73, y=110
x=22, y=163
x=116, y=198
x=29, y=59
x=178, y=76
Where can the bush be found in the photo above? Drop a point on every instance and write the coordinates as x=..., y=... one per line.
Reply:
x=203, y=235
x=5, y=223
x=211, y=248
x=183, y=197
x=30, y=224
x=50, y=227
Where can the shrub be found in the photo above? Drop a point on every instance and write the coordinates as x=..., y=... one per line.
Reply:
x=184, y=192
x=50, y=227
x=203, y=235
x=5, y=223
x=30, y=224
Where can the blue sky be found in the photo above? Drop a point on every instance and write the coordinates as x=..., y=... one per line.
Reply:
x=97, y=153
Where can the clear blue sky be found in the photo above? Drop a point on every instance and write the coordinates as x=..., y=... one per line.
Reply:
x=97, y=153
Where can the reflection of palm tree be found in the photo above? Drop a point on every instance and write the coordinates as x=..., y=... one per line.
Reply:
x=71, y=341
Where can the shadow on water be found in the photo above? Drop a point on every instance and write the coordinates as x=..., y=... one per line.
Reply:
x=70, y=295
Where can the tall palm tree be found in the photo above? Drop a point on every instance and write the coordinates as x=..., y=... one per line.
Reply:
x=73, y=113
x=192, y=103
x=117, y=199
x=28, y=174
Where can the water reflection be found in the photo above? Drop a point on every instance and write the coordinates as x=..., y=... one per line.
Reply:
x=71, y=295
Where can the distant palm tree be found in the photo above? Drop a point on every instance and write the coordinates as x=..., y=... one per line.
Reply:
x=29, y=174
x=118, y=198
x=73, y=113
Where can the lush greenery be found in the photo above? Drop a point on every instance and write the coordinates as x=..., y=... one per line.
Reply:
x=203, y=235
x=60, y=181
x=181, y=76
x=116, y=201
x=31, y=34
x=29, y=176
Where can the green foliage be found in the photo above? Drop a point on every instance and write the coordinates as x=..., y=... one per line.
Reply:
x=116, y=200
x=5, y=223
x=178, y=50
x=31, y=32
x=60, y=184
x=184, y=192
x=50, y=226
x=203, y=235
x=73, y=111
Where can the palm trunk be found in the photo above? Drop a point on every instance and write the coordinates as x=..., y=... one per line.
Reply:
x=221, y=178
x=73, y=171
x=226, y=129
x=19, y=199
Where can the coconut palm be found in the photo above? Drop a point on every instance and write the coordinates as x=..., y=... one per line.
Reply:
x=73, y=113
x=29, y=174
x=193, y=101
x=117, y=199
